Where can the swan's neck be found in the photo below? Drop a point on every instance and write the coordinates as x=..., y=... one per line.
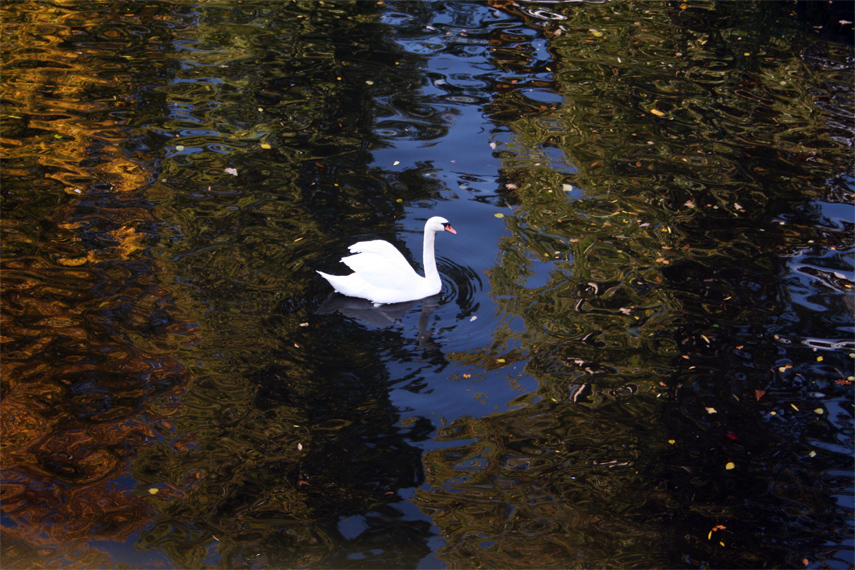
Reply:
x=429, y=259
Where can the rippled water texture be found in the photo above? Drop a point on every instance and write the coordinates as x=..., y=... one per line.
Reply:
x=642, y=355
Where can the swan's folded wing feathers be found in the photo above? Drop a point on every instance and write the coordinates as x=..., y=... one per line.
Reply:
x=379, y=271
x=383, y=248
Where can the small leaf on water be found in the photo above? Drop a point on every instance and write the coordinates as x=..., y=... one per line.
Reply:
x=232, y=171
x=153, y=491
x=500, y=360
x=499, y=215
x=794, y=407
x=730, y=465
x=732, y=436
x=657, y=112
x=711, y=410
x=759, y=393
x=596, y=33
x=266, y=146
x=472, y=318
x=179, y=147
x=299, y=447
x=396, y=163
x=812, y=454
x=672, y=441
x=819, y=411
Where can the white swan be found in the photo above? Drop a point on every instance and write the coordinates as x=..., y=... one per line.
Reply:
x=382, y=274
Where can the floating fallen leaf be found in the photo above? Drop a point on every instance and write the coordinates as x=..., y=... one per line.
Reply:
x=179, y=147
x=812, y=454
x=232, y=171
x=396, y=163
x=500, y=360
x=266, y=146
x=499, y=215
x=730, y=465
x=731, y=436
x=493, y=145
x=711, y=410
x=819, y=411
x=657, y=112
x=299, y=447
x=819, y=359
x=672, y=441
x=794, y=407
x=467, y=376
x=759, y=393
x=472, y=318
x=304, y=324
x=596, y=33
x=153, y=491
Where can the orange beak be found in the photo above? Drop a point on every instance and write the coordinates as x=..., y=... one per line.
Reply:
x=448, y=228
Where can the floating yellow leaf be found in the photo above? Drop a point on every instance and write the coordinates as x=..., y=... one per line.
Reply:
x=500, y=360
x=596, y=33
x=499, y=215
x=794, y=407
x=711, y=410
x=672, y=441
x=266, y=146
x=730, y=465
x=657, y=112
x=153, y=491
x=819, y=411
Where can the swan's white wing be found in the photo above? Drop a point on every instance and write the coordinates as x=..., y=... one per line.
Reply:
x=382, y=248
x=382, y=272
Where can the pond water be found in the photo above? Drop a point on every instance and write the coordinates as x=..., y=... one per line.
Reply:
x=642, y=355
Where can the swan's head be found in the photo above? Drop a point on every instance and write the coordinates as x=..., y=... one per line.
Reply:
x=438, y=224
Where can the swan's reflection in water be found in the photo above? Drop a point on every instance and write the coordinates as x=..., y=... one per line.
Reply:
x=384, y=315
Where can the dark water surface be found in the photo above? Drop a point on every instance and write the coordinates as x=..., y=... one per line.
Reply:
x=642, y=356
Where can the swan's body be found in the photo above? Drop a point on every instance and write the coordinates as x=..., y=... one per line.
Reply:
x=382, y=274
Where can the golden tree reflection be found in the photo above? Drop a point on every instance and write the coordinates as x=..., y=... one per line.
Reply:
x=76, y=387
